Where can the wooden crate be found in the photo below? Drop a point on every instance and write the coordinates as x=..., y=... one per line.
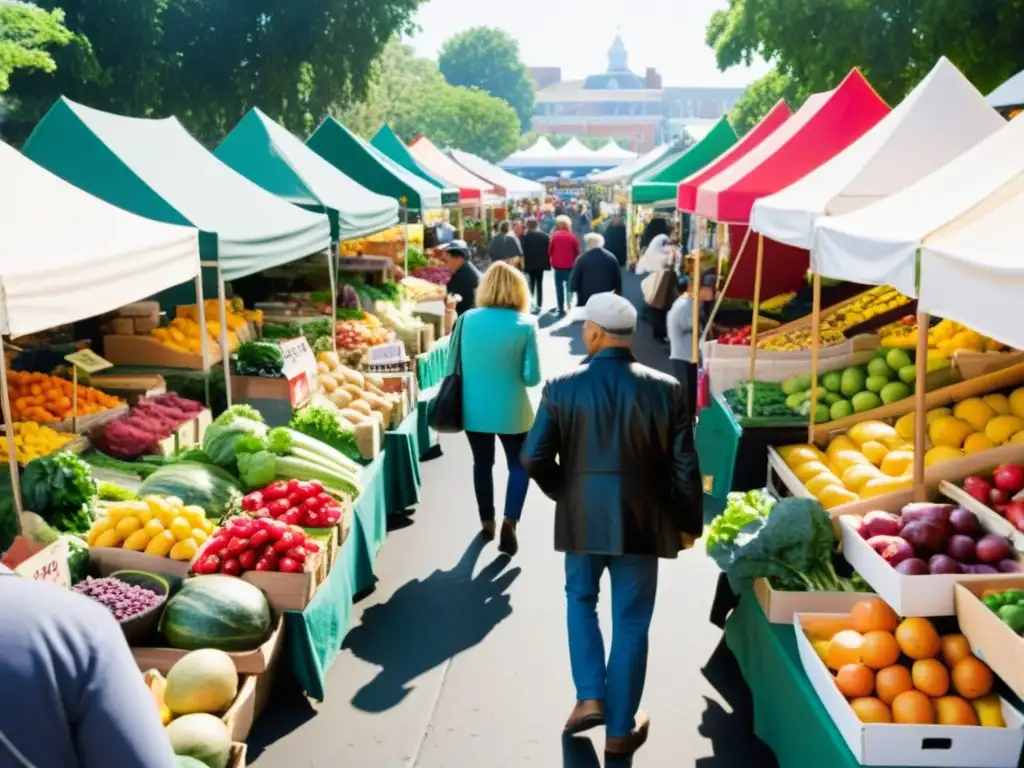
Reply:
x=805, y=321
x=254, y=662
x=148, y=351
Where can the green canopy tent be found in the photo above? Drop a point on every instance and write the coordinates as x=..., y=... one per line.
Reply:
x=659, y=185
x=154, y=168
x=386, y=141
x=364, y=163
x=267, y=154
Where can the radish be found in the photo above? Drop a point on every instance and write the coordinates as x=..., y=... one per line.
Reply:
x=978, y=488
x=1009, y=478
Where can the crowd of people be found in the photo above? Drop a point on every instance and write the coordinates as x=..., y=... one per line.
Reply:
x=611, y=442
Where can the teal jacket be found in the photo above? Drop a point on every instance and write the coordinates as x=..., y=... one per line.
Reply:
x=499, y=362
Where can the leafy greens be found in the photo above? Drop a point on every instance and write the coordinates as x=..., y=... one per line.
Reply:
x=61, y=489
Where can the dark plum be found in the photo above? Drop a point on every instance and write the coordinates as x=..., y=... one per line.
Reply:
x=943, y=564
x=913, y=566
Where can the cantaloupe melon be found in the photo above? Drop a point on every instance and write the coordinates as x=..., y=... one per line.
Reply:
x=201, y=736
x=201, y=681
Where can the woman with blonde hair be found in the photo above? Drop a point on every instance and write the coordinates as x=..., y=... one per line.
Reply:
x=563, y=250
x=497, y=346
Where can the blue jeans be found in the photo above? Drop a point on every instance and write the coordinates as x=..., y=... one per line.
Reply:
x=620, y=684
x=562, y=294
x=482, y=445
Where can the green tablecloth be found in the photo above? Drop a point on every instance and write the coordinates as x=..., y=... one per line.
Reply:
x=431, y=366
x=314, y=636
x=427, y=436
x=788, y=716
x=402, y=464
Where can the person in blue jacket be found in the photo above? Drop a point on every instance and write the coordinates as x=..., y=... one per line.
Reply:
x=498, y=345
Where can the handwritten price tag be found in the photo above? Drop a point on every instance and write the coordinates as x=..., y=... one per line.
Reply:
x=299, y=369
x=88, y=361
x=49, y=564
x=387, y=354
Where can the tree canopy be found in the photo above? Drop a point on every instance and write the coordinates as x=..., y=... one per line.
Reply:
x=411, y=95
x=815, y=43
x=208, y=63
x=27, y=34
x=488, y=59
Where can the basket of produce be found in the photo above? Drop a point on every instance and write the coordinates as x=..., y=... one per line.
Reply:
x=134, y=597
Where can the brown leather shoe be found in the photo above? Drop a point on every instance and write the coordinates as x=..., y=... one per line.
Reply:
x=627, y=745
x=508, y=543
x=587, y=714
x=487, y=529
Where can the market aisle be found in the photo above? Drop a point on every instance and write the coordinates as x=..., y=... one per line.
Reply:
x=459, y=660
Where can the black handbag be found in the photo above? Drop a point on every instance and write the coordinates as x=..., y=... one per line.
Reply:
x=445, y=410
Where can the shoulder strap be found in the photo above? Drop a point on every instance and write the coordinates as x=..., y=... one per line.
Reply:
x=456, y=346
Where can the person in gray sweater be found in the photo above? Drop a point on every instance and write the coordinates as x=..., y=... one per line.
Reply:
x=680, y=339
x=596, y=271
x=504, y=245
x=75, y=697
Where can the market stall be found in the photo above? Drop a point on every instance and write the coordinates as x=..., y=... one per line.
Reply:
x=661, y=183
x=244, y=229
x=622, y=174
x=386, y=141
x=506, y=184
x=473, y=191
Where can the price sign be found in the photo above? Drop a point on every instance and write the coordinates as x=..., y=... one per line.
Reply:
x=299, y=369
x=88, y=361
x=48, y=564
x=387, y=354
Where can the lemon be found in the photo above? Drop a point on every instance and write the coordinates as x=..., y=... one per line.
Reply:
x=1000, y=429
x=951, y=431
x=181, y=528
x=833, y=496
x=998, y=403
x=877, y=431
x=856, y=475
x=938, y=413
x=184, y=549
x=975, y=412
x=840, y=443
x=1017, y=402
x=874, y=451
x=977, y=443
x=897, y=463
x=154, y=528
x=137, y=542
x=905, y=426
x=844, y=459
x=809, y=470
x=941, y=453
x=816, y=484
x=128, y=526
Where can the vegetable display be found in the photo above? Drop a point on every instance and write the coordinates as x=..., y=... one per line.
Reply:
x=328, y=427
x=219, y=612
x=124, y=600
x=769, y=400
x=201, y=485
x=418, y=289
x=157, y=525
x=32, y=440
x=140, y=431
x=434, y=273
x=927, y=538
x=1008, y=605
x=46, y=399
x=294, y=503
x=258, y=358
x=792, y=545
x=61, y=489
x=1000, y=491
x=357, y=396
x=256, y=544
x=741, y=509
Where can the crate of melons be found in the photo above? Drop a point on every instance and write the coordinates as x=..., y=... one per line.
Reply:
x=159, y=534
x=901, y=692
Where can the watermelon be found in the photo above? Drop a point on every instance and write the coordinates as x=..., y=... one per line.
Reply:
x=204, y=485
x=203, y=737
x=221, y=612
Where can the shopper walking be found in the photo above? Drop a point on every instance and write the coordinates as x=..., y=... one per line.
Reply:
x=680, y=340
x=596, y=271
x=613, y=446
x=615, y=239
x=498, y=348
x=659, y=288
x=465, y=277
x=75, y=697
x=563, y=252
x=536, y=261
x=505, y=246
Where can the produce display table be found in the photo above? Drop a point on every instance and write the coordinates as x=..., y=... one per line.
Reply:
x=402, y=464
x=432, y=365
x=314, y=636
x=788, y=715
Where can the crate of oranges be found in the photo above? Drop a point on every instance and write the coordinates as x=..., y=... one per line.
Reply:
x=901, y=693
x=50, y=400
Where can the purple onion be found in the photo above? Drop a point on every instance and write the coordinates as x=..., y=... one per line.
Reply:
x=122, y=599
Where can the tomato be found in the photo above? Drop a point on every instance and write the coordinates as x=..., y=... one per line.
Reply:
x=313, y=504
x=297, y=554
x=242, y=527
x=279, y=506
x=248, y=559
x=277, y=529
x=293, y=486
x=292, y=517
x=263, y=565
x=261, y=513
x=259, y=539
x=317, y=486
x=207, y=565
x=252, y=501
x=311, y=546
x=286, y=542
x=276, y=490
x=313, y=519
x=231, y=567
x=287, y=565
x=237, y=545
x=331, y=516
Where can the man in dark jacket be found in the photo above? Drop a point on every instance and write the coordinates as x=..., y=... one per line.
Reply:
x=615, y=239
x=535, y=260
x=465, y=277
x=596, y=271
x=504, y=246
x=612, y=444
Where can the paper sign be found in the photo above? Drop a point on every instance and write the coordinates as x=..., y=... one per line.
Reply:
x=299, y=369
x=387, y=354
x=88, y=361
x=48, y=564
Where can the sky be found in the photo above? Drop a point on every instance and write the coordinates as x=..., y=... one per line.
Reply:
x=665, y=34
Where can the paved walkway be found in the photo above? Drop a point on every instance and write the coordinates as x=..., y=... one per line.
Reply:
x=458, y=659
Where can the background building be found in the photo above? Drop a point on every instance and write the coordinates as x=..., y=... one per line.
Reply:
x=635, y=110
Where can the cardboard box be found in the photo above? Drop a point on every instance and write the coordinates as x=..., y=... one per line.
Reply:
x=254, y=662
x=109, y=559
x=237, y=759
x=991, y=519
x=253, y=695
x=147, y=350
x=779, y=606
x=289, y=591
x=942, y=746
x=259, y=388
x=907, y=595
x=991, y=640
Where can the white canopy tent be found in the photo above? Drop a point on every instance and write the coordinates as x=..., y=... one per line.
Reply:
x=613, y=151
x=941, y=118
x=974, y=273
x=541, y=149
x=575, y=149
x=623, y=172
x=515, y=187
x=879, y=243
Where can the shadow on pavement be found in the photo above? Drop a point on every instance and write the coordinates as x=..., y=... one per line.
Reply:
x=573, y=332
x=287, y=710
x=579, y=752
x=731, y=733
x=427, y=622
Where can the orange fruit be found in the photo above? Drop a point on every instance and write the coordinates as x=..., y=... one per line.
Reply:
x=892, y=681
x=845, y=648
x=954, y=648
x=913, y=707
x=931, y=677
x=868, y=615
x=952, y=710
x=918, y=639
x=971, y=678
x=855, y=680
x=880, y=649
x=871, y=710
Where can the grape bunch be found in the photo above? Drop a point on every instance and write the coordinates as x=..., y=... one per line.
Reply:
x=124, y=600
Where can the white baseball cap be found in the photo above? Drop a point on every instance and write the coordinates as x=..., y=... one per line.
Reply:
x=611, y=312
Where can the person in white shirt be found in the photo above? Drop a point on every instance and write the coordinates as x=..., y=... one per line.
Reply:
x=680, y=338
x=660, y=257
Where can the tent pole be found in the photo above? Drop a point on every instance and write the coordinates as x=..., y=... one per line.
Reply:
x=815, y=352
x=920, y=406
x=12, y=450
x=754, y=324
x=332, y=254
x=405, y=221
x=223, y=314
x=695, y=292
x=204, y=340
